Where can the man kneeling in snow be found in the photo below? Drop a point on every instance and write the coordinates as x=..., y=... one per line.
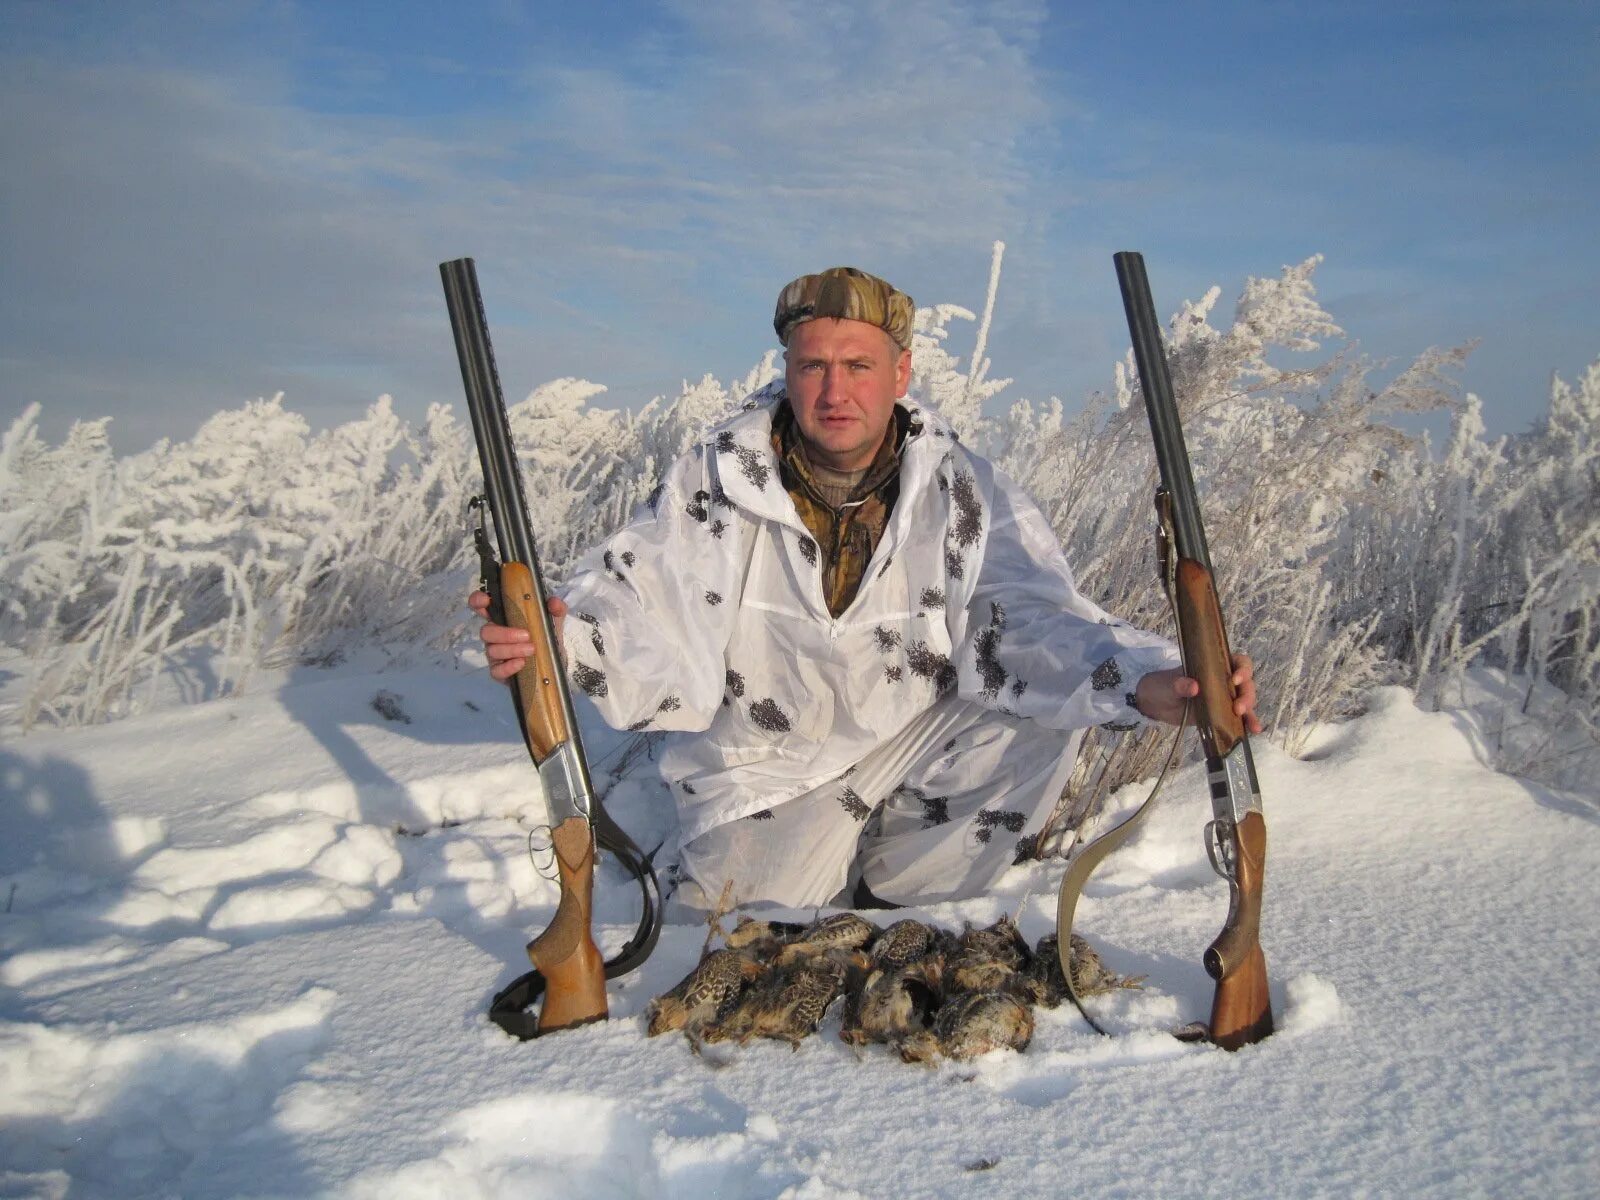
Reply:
x=870, y=632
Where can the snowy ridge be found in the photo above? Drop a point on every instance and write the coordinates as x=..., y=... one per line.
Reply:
x=250, y=944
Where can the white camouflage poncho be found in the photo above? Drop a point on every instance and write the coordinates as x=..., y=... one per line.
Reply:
x=706, y=613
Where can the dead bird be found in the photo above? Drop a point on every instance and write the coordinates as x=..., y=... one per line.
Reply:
x=892, y=1002
x=842, y=931
x=704, y=994
x=789, y=1002
x=1002, y=941
x=978, y=970
x=903, y=943
x=970, y=1024
x=762, y=939
x=1090, y=977
x=1044, y=979
x=989, y=959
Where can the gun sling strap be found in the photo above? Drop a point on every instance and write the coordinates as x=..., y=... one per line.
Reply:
x=1087, y=859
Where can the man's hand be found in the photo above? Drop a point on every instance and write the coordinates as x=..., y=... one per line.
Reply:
x=507, y=647
x=1161, y=695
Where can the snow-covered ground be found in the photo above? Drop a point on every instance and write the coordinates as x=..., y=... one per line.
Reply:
x=248, y=947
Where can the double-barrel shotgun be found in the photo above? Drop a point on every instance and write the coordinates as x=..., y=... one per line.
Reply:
x=567, y=967
x=1236, y=837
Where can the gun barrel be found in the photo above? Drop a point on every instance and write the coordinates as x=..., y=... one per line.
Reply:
x=1171, y=454
x=502, y=478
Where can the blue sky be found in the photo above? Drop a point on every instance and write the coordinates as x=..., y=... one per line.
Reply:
x=203, y=203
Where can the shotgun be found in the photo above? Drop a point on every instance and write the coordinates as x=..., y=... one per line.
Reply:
x=1236, y=838
x=567, y=967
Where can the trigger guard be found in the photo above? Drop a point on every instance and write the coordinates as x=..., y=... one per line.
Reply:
x=1218, y=850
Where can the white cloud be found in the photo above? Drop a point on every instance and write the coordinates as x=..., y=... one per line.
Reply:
x=178, y=240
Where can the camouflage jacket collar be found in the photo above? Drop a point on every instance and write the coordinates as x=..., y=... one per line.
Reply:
x=747, y=464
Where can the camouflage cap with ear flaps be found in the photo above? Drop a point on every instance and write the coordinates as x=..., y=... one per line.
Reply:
x=849, y=294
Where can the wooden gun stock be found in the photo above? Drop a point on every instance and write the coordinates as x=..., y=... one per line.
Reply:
x=1241, y=1009
x=565, y=953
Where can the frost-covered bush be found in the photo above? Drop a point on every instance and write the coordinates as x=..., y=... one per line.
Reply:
x=1347, y=551
x=1281, y=459
x=252, y=544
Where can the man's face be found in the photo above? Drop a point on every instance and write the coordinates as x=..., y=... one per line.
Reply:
x=843, y=379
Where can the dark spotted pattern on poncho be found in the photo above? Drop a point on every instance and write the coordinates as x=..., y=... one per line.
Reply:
x=883, y=570
x=767, y=715
x=893, y=674
x=808, y=551
x=932, y=598
x=688, y=788
x=670, y=704
x=1027, y=849
x=854, y=804
x=986, y=651
x=610, y=562
x=1106, y=676
x=989, y=820
x=718, y=496
x=751, y=463
x=696, y=507
x=717, y=528
x=1018, y=686
x=735, y=682
x=764, y=814
x=887, y=639
x=968, y=526
x=592, y=682
x=927, y=663
x=627, y=558
x=935, y=809
x=713, y=598
x=948, y=746
x=593, y=622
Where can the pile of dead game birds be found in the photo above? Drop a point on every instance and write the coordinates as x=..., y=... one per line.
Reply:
x=929, y=993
